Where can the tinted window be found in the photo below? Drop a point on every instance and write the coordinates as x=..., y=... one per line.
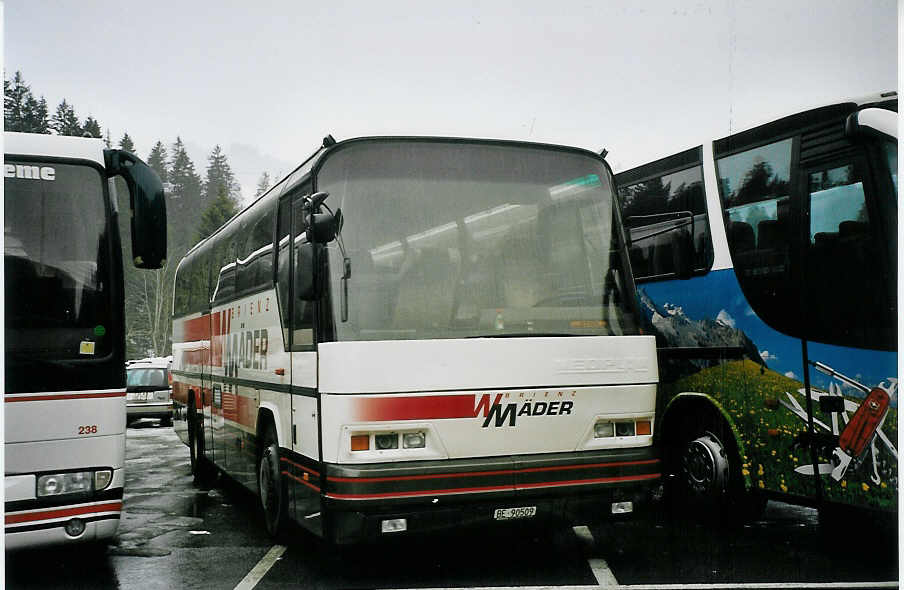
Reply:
x=56, y=261
x=283, y=264
x=755, y=186
x=846, y=273
x=661, y=211
x=255, y=255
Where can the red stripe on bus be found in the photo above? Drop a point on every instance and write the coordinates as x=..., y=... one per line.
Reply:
x=196, y=329
x=294, y=464
x=63, y=513
x=301, y=481
x=41, y=398
x=449, y=491
x=416, y=408
x=488, y=473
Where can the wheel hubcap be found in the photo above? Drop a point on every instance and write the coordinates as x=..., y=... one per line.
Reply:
x=699, y=466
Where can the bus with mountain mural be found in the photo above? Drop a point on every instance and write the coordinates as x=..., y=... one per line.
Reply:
x=765, y=264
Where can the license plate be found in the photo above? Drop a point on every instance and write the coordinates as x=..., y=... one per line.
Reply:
x=513, y=513
x=137, y=396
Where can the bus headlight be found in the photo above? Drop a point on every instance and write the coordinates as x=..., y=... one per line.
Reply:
x=102, y=478
x=414, y=440
x=385, y=442
x=54, y=484
x=603, y=429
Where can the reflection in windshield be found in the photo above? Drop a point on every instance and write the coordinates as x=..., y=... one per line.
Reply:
x=465, y=240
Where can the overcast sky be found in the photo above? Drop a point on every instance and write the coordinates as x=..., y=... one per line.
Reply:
x=267, y=80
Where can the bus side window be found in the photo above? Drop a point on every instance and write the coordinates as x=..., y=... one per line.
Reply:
x=655, y=210
x=847, y=275
x=303, y=314
x=282, y=265
x=756, y=195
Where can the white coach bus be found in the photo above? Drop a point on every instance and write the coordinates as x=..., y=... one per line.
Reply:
x=64, y=361
x=409, y=334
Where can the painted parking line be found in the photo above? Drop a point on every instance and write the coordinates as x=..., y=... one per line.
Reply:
x=260, y=570
x=739, y=586
x=599, y=567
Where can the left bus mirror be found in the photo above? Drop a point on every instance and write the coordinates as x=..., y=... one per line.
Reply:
x=147, y=205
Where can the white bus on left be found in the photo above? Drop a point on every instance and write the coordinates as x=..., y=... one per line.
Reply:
x=64, y=395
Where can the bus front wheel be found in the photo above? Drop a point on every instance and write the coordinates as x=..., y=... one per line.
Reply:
x=705, y=468
x=271, y=485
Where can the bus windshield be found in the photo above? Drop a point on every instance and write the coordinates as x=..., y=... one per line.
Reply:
x=454, y=239
x=56, y=260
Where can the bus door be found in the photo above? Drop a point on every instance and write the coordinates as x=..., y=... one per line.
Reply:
x=849, y=322
x=297, y=317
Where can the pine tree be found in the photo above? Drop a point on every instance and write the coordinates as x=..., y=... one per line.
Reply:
x=15, y=95
x=126, y=143
x=21, y=110
x=217, y=213
x=65, y=121
x=36, y=118
x=91, y=127
x=157, y=161
x=219, y=176
x=263, y=185
x=183, y=204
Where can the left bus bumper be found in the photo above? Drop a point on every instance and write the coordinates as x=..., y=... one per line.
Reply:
x=30, y=521
x=434, y=495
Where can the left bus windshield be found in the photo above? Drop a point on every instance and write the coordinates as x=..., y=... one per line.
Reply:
x=458, y=239
x=56, y=255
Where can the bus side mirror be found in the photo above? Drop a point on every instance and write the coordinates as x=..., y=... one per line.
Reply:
x=147, y=207
x=324, y=227
x=872, y=121
x=309, y=274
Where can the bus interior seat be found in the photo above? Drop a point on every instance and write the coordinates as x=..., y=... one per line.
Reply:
x=740, y=237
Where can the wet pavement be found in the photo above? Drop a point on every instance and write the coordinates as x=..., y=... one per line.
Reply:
x=176, y=535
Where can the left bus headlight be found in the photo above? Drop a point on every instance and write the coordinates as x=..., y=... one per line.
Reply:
x=55, y=484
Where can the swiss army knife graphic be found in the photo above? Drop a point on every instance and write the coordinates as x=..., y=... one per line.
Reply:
x=862, y=424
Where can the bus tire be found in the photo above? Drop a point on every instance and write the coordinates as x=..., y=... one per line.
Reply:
x=201, y=469
x=705, y=468
x=271, y=486
x=709, y=482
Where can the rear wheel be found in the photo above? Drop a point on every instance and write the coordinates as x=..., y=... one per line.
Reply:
x=201, y=468
x=271, y=485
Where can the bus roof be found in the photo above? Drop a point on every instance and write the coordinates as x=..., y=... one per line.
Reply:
x=57, y=146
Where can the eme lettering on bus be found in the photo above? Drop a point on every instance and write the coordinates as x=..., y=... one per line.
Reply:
x=498, y=413
x=29, y=172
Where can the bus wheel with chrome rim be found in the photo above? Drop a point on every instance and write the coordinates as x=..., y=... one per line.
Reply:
x=705, y=468
x=271, y=485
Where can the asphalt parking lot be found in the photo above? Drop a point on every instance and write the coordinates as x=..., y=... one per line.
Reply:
x=176, y=535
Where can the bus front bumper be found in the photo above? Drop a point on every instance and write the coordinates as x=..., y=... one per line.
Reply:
x=365, y=502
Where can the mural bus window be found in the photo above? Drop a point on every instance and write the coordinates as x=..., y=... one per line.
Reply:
x=755, y=186
x=657, y=211
x=845, y=267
